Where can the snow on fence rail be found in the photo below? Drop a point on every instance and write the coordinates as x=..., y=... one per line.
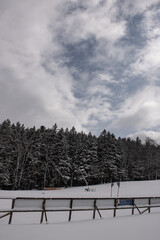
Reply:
x=45, y=205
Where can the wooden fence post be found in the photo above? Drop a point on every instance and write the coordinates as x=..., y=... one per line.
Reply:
x=115, y=207
x=149, y=202
x=43, y=211
x=94, y=210
x=133, y=207
x=11, y=213
x=70, y=212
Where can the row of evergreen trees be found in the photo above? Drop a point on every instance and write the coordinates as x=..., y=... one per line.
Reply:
x=33, y=158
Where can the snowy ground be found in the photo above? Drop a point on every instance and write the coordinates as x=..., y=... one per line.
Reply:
x=125, y=226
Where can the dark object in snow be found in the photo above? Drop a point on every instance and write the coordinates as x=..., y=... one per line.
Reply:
x=124, y=202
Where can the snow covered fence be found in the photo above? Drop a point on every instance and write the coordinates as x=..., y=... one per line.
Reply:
x=45, y=205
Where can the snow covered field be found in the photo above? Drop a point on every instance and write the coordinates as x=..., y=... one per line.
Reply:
x=125, y=226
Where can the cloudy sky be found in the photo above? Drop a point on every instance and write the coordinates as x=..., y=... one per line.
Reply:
x=90, y=64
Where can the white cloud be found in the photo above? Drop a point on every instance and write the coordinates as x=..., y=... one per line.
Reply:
x=148, y=58
x=95, y=20
x=97, y=108
x=140, y=111
x=143, y=135
x=97, y=85
x=30, y=52
x=25, y=45
x=137, y=6
x=38, y=87
x=107, y=78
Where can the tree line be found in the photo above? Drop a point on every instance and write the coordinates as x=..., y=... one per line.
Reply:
x=33, y=158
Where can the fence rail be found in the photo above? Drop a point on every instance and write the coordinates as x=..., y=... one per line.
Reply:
x=45, y=205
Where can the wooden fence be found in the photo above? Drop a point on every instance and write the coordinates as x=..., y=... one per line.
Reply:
x=45, y=205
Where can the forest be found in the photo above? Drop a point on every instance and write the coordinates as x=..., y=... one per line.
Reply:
x=33, y=158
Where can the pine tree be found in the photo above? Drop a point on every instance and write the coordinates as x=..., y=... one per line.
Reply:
x=109, y=157
x=5, y=155
x=72, y=150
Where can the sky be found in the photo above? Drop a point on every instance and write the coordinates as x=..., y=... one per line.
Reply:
x=89, y=64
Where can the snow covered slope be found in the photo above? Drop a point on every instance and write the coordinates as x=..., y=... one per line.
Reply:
x=127, y=189
x=136, y=227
